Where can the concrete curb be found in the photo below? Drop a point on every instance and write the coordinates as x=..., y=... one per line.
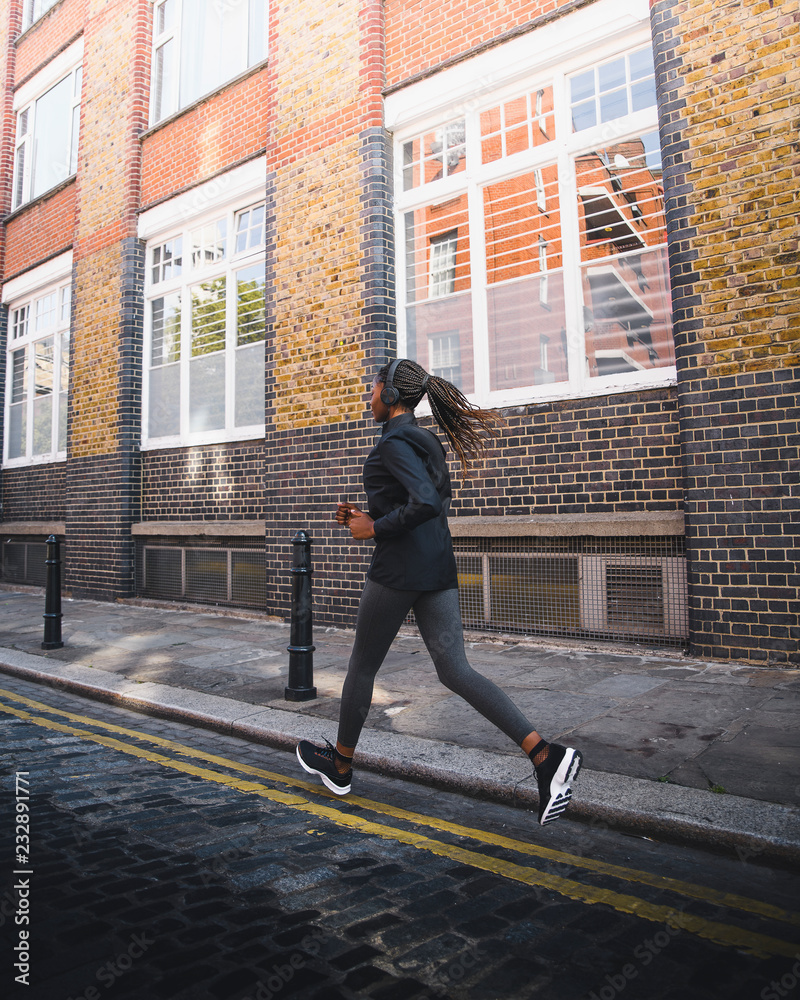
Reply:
x=754, y=829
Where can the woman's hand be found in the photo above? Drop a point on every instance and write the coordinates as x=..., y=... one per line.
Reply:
x=352, y=517
x=360, y=525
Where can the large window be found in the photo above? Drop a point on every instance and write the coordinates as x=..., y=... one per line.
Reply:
x=204, y=372
x=531, y=239
x=37, y=377
x=198, y=45
x=47, y=126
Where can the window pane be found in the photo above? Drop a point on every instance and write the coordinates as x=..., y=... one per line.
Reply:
x=164, y=80
x=624, y=276
x=43, y=367
x=208, y=317
x=166, y=329
x=43, y=425
x=164, y=408
x=51, y=162
x=207, y=393
x=526, y=319
x=257, y=32
x=250, y=305
x=438, y=289
x=214, y=46
x=17, y=411
x=210, y=243
x=249, y=404
x=435, y=155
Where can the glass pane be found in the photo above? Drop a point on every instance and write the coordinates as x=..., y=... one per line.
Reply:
x=43, y=425
x=641, y=63
x=582, y=87
x=214, y=46
x=612, y=75
x=64, y=382
x=17, y=430
x=51, y=161
x=165, y=18
x=19, y=375
x=250, y=305
x=166, y=329
x=207, y=393
x=643, y=94
x=435, y=155
x=257, y=32
x=209, y=244
x=625, y=276
x=43, y=367
x=164, y=410
x=249, y=405
x=208, y=317
x=438, y=290
x=45, y=312
x=613, y=105
x=62, y=421
x=164, y=80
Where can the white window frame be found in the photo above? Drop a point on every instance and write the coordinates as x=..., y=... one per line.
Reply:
x=67, y=64
x=592, y=35
x=167, y=100
x=53, y=278
x=225, y=197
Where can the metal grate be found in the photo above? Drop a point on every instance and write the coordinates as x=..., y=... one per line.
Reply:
x=221, y=571
x=23, y=561
x=627, y=589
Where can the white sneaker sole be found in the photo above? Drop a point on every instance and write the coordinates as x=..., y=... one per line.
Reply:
x=326, y=781
x=560, y=790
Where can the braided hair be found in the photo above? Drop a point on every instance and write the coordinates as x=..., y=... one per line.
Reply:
x=461, y=422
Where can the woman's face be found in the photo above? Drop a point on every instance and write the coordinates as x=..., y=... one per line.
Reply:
x=380, y=411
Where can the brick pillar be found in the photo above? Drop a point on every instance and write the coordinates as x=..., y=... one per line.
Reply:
x=727, y=77
x=330, y=283
x=103, y=491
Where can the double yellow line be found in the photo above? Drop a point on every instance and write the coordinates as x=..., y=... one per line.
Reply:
x=675, y=916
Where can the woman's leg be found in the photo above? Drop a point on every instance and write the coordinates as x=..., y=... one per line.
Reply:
x=439, y=619
x=380, y=614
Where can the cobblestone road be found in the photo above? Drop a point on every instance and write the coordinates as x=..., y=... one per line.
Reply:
x=158, y=872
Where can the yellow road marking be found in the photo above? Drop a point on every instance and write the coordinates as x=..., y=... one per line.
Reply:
x=704, y=893
x=719, y=933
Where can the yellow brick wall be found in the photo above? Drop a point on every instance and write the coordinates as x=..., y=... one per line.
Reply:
x=316, y=159
x=742, y=124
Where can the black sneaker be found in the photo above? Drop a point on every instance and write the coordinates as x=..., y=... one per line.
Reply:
x=319, y=760
x=555, y=775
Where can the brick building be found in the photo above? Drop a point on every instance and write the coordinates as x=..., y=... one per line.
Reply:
x=220, y=218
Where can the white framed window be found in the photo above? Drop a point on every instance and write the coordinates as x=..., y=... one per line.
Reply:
x=32, y=10
x=557, y=282
x=47, y=112
x=37, y=376
x=205, y=328
x=198, y=45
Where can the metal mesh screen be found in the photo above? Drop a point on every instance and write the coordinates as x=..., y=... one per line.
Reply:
x=211, y=571
x=23, y=561
x=627, y=589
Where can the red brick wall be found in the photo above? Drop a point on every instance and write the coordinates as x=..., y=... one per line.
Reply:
x=422, y=34
x=47, y=36
x=216, y=134
x=45, y=228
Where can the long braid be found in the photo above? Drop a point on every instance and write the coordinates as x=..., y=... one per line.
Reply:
x=464, y=425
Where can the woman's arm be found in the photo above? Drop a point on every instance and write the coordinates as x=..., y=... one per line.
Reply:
x=424, y=502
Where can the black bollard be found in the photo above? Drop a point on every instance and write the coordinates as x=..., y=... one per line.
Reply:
x=301, y=651
x=52, y=596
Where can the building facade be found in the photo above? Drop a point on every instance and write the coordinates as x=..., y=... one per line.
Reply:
x=221, y=218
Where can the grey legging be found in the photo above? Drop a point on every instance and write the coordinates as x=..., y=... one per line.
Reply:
x=380, y=614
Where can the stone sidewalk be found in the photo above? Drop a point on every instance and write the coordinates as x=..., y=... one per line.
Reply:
x=673, y=747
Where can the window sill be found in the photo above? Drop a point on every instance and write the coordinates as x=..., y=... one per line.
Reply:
x=50, y=193
x=164, y=122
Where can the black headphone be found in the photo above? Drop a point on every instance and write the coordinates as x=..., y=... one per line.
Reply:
x=389, y=394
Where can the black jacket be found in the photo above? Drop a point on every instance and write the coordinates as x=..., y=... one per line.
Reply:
x=408, y=491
